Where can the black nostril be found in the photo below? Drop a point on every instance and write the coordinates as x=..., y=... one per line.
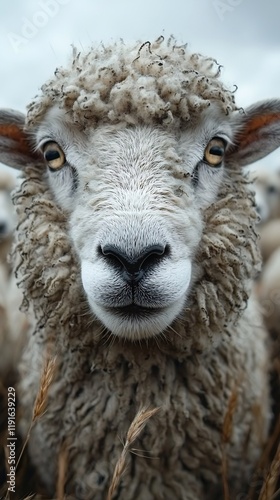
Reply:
x=134, y=268
x=151, y=256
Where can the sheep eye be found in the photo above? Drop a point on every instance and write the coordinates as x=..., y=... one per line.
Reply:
x=214, y=152
x=53, y=155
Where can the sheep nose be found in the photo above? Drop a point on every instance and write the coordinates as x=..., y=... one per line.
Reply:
x=133, y=269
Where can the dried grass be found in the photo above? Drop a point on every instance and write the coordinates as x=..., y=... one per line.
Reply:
x=45, y=382
x=265, y=469
x=62, y=468
x=269, y=486
x=226, y=437
x=40, y=403
x=136, y=427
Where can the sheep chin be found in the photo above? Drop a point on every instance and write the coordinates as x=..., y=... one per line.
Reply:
x=136, y=326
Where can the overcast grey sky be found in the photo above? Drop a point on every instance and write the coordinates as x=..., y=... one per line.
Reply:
x=243, y=35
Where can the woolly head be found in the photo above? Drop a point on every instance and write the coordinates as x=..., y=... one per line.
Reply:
x=142, y=145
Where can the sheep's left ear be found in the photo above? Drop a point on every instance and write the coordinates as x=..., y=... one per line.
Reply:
x=15, y=148
x=257, y=133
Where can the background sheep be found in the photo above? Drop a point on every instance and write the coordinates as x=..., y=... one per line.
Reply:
x=13, y=323
x=270, y=291
x=7, y=216
x=267, y=193
x=144, y=205
x=266, y=185
x=269, y=237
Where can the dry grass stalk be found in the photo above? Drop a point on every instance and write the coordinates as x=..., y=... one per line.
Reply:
x=226, y=436
x=41, y=398
x=265, y=460
x=133, y=432
x=62, y=467
x=228, y=420
x=271, y=444
x=6, y=453
x=45, y=382
x=276, y=495
x=273, y=475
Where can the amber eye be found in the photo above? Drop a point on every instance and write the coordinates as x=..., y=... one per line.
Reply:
x=214, y=152
x=53, y=155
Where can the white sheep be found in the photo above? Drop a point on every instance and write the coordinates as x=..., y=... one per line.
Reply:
x=7, y=215
x=269, y=292
x=269, y=238
x=269, y=297
x=138, y=250
x=268, y=283
x=266, y=185
x=13, y=323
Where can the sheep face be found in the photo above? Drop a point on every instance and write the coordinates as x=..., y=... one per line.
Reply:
x=135, y=197
x=135, y=138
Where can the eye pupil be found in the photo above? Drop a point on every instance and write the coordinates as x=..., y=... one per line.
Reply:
x=52, y=155
x=216, y=151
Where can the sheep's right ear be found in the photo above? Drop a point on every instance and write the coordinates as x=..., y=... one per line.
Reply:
x=15, y=149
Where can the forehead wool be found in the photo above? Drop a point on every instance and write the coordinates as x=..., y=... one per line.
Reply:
x=151, y=83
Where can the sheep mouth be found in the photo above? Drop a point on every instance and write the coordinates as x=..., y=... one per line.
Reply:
x=135, y=311
x=135, y=322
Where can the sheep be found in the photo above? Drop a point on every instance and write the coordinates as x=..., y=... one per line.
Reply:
x=138, y=250
x=269, y=297
x=7, y=216
x=267, y=193
x=7, y=223
x=266, y=186
x=13, y=323
x=269, y=238
x=269, y=291
x=268, y=282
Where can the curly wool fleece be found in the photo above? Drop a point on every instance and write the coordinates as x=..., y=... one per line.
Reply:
x=212, y=353
x=157, y=83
